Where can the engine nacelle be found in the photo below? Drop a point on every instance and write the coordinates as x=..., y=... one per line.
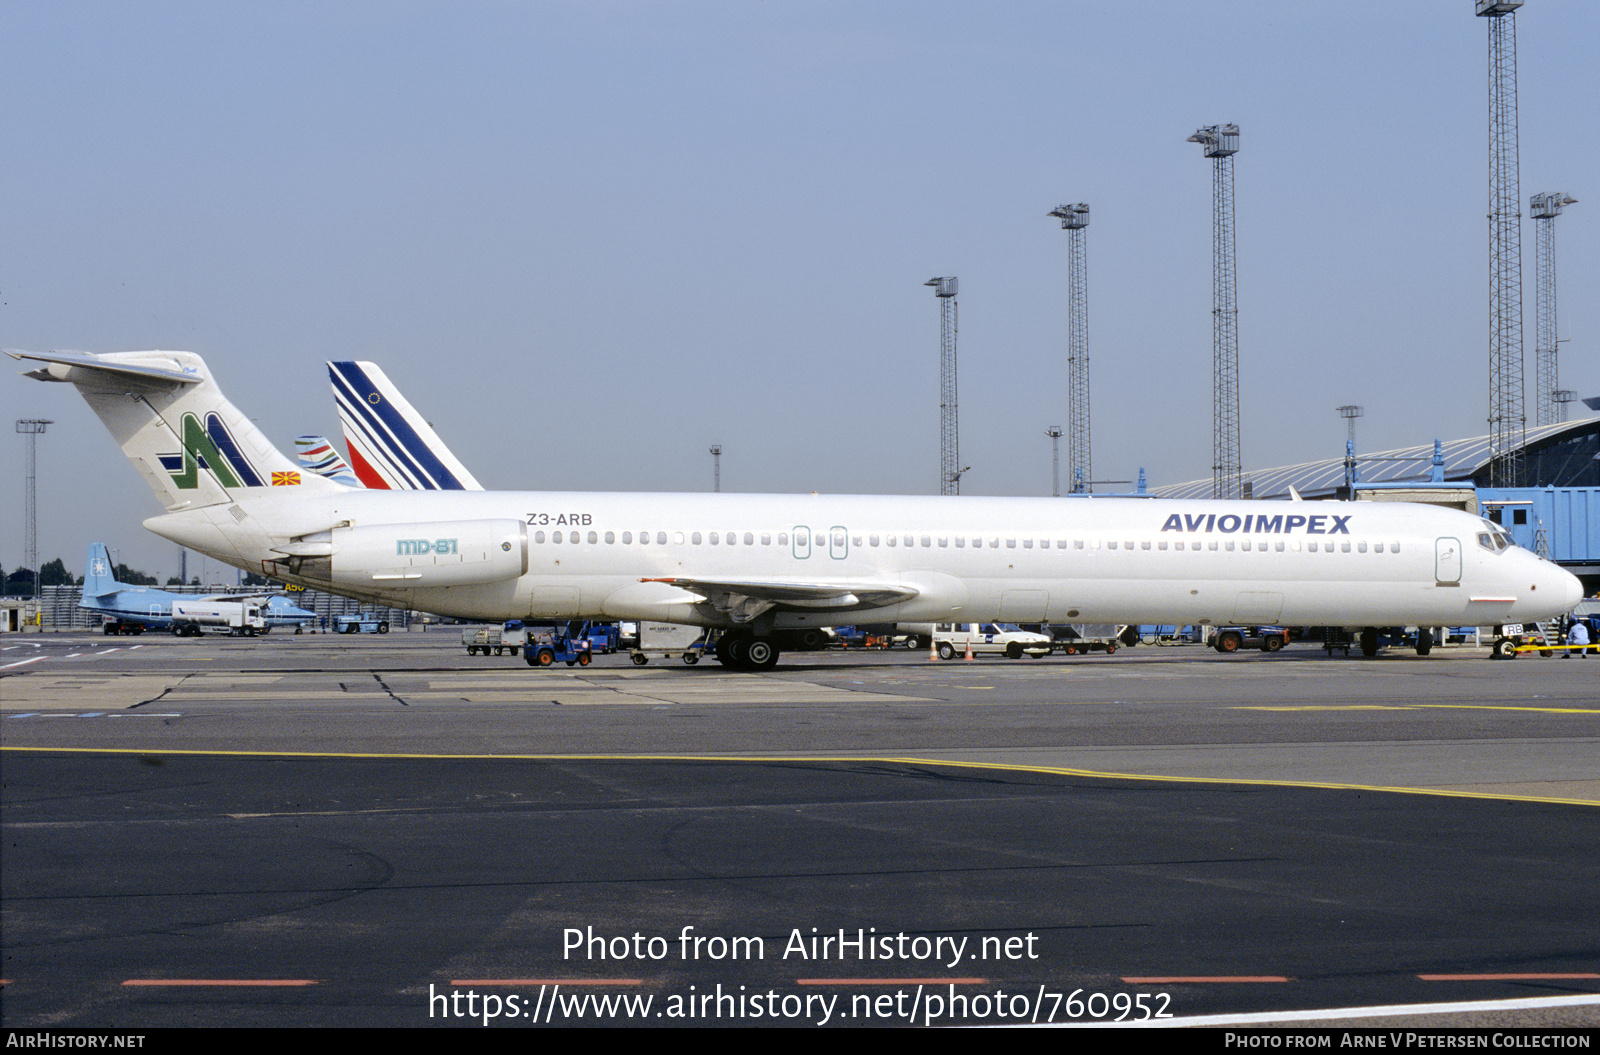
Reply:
x=443, y=553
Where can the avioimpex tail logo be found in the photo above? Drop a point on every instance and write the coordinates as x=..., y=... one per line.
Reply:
x=210, y=447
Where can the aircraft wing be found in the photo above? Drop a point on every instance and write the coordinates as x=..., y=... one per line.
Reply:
x=744, y=600
x=91, y=361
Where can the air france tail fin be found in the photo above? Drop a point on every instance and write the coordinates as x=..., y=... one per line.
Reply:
x=193, y=447
x=391, y=446
x=321, y=457
x=98, y=577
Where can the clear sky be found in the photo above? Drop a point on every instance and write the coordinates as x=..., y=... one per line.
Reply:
x=591, y=239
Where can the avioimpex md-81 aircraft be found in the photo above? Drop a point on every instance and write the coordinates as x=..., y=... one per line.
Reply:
x=767, y=567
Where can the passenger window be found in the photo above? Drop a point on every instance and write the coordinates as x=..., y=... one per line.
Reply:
x=766, y=539
x=572, y=537
x=749, y=539
x=961, y=543
x=611, y=538
x=555, y=536
x=872, y=540
x=694, y=538
x=1027, y=543
x=627, y=538
x=593, y=538
x=661, y=538
x=538, y=536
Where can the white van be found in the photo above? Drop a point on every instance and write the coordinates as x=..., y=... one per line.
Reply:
x=953, y=639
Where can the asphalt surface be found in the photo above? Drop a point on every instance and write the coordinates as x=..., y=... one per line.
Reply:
x=385, y=831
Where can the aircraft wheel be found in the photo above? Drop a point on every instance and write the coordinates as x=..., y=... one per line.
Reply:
x=730, y=650
x=760, y=653
x=812, y=639
x=1504, y=648
x=1424, y=641
x=640, y=659
x=690, y=658
x=1229, y=642
x=1369, y=642
x=947, y=650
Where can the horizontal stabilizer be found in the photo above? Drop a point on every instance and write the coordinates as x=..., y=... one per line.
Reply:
x=165, y=411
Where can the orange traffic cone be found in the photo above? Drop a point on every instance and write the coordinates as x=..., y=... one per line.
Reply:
x=968, y=656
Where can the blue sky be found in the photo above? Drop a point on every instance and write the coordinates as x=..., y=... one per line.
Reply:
x=591, y=239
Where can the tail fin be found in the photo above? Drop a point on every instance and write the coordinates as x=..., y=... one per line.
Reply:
x=193, y=447
x=320, y=456
x=98, y=578
x=391, y=446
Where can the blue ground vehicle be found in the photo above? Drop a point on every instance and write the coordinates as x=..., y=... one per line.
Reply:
x=360, y=623
x=544, y=645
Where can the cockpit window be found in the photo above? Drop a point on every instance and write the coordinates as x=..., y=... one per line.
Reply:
x=1494, y=540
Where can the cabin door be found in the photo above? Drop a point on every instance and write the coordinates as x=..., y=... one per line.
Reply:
x=1447, y=561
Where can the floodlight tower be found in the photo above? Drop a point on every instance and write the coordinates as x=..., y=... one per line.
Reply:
x=1220, y=143
x=1349, y=412
x=716, y=467
x=1054, y=432
x=1074, y=218
x=1545, y=208
x=1508, y=419
x=949, y=447
x=32, y=428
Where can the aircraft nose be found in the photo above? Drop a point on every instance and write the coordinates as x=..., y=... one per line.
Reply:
x=1572, y=590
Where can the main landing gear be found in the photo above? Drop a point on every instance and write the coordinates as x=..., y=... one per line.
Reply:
x=743, y=650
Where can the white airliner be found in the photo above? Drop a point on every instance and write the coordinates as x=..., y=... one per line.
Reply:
x=767, y=568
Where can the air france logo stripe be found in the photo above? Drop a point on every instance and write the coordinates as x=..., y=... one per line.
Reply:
x=386, y=431
x=1259, y=523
